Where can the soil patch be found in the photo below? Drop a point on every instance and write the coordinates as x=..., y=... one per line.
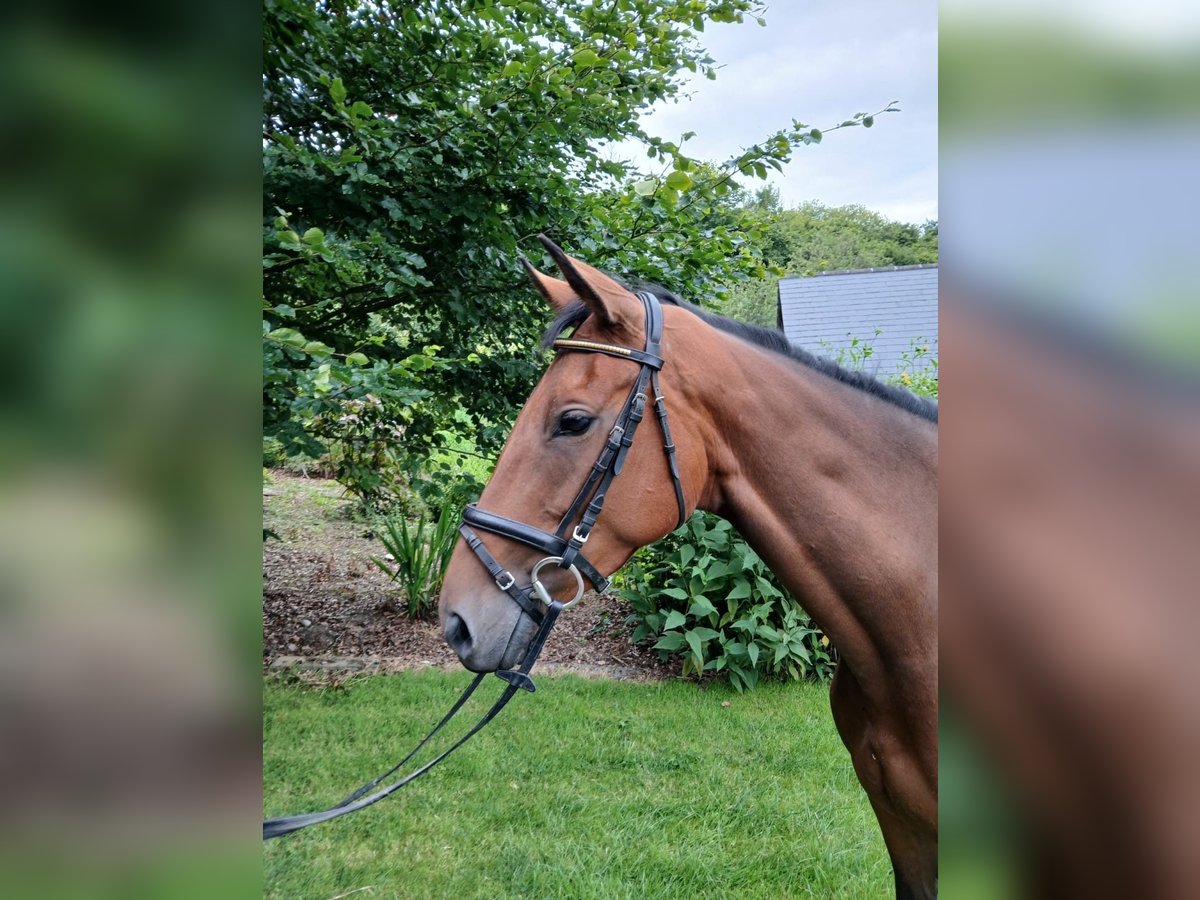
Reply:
x=327, y=607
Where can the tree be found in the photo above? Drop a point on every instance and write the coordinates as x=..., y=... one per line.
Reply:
x=412, y=152
x=816, y=238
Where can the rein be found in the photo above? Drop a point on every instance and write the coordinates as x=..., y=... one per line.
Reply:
x=564, y=552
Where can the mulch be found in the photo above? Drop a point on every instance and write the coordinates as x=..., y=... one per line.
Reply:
x=326, y=606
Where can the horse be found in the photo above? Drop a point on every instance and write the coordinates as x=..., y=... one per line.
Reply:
x=829, y=474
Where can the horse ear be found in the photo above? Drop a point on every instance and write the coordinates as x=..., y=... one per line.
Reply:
x=611, y=303
x=556, y=291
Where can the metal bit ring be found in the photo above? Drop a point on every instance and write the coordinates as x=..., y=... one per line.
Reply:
x=540, y=589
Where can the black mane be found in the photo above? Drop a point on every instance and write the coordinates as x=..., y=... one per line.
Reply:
x=576, y=314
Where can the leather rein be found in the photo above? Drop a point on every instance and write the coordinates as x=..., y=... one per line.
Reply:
x=561, y=551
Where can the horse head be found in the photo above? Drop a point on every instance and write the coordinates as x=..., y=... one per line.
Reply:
x=559, y=467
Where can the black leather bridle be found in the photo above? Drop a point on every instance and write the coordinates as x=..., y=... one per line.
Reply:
x=567, y=553
x=562, y=551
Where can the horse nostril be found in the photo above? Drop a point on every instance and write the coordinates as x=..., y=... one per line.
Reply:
x=458, y=635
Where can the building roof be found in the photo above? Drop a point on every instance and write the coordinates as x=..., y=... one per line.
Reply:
x=823, y=313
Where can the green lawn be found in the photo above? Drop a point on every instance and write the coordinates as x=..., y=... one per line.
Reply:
x=584, y=789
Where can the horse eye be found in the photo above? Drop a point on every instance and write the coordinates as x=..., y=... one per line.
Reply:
x=573, y=422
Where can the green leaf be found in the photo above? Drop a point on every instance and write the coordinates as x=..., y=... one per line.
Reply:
x=701, y=607
x=675, y=592
x=868, y=121
x=686, y=553
x=693, y=641
x=705, y=634
x=679, y=181
x=674, y=619
x=645, y=187
x=717, y=570
x=769, y=633
x=798, y=649
x=585, y=57
x=289, y=336
x=766, y=588
x=314, y=237
x=671, y=642
x=740, y=590
x=815, y=134
x=360, y=110
x=752, y=652
x=321, y=382
x=357, y=359
x=513, y=67
x=337, y=90
x=316, y=348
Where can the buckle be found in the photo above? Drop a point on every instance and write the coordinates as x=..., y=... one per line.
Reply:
x=578, y=538
x=509, y=576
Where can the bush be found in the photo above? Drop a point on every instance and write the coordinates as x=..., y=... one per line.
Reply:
x=421, y=552
x=703, y=595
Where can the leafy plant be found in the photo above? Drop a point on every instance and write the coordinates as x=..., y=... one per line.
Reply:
x=854, y=353
x=919, y=369
x=704, y=595
x=421, y=552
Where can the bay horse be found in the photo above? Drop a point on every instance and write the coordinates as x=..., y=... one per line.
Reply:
x=830, y=475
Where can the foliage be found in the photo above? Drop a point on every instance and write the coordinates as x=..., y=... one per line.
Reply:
x=421, y=552
x=853, y=354
x=918, y=366
x=307, y=384
x=919, y=370
x=412, y=152
x=709, y=599
x=815, y=238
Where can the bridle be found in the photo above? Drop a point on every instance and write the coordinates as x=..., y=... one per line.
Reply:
x=561, y=551
x=564, y=552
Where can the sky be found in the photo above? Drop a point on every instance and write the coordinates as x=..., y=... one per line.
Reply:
x=821, y=61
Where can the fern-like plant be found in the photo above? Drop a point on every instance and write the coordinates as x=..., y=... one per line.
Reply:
x=420, y=552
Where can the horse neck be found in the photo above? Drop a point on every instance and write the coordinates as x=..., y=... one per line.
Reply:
x=834, y=488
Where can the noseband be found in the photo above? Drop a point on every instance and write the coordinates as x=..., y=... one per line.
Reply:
x=564, y=552
x=561, y=551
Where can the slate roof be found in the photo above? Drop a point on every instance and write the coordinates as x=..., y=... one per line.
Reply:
x=822, y=313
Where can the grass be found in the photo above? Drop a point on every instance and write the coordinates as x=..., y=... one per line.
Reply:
x=584, y=789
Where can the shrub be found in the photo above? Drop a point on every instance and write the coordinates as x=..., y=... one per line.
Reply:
x=363, y=436
x=702, y=594
x=421, y=552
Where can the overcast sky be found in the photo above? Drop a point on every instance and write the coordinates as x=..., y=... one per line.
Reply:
x=821, y=61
